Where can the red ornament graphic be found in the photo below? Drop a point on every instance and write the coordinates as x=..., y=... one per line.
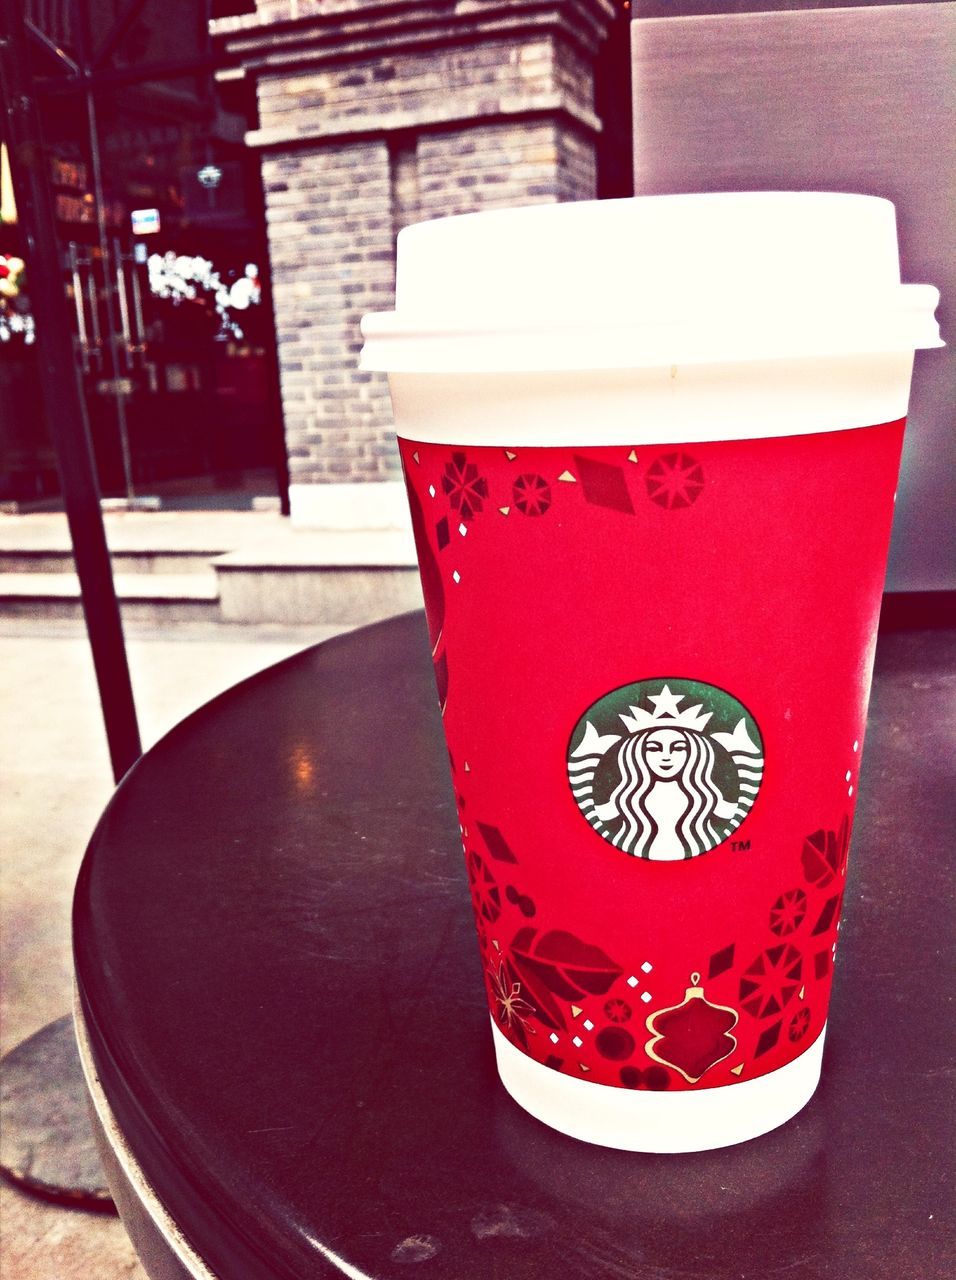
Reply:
x=693, y=1036
x=674, y=480
x=556, y=966
x=522, y=901
x=824, y=854
x=531, y=494
x=617, y=1011
x=484, y=889
x=654, y=1078
x=615, y=1043
x=787, y=913
x=772, y=981
x=799, y=1025
x=466, y=489
x=434, y=596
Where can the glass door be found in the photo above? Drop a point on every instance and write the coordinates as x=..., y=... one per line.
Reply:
x=160, y=213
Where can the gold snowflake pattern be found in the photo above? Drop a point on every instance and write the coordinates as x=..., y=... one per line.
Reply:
x=512, y=1011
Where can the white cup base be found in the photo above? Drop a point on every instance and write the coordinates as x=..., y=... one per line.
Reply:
x=641, y=1120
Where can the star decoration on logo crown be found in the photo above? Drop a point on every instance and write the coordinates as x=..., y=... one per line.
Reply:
x=667, y=714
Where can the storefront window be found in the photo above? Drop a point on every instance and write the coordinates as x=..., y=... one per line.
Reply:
x=159, y=215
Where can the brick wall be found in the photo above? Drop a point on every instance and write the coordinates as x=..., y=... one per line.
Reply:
x=500, y=165
x=331, y=246
x=381, y=121
x=415, y=89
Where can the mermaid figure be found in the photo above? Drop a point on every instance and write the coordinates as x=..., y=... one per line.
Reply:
x=665, y=803
x=666, y=800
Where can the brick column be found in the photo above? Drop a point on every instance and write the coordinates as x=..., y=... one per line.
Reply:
x=372, y=117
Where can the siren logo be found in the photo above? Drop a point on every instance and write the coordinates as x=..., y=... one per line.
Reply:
x=665, y=769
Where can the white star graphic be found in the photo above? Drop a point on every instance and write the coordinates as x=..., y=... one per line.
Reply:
x=665, y=702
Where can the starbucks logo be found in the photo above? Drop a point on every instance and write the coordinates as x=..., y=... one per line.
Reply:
x=678, y=780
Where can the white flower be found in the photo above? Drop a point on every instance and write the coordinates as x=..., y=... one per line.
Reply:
x=240, y=295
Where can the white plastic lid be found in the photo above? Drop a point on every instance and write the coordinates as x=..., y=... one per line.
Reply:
x=653, y=280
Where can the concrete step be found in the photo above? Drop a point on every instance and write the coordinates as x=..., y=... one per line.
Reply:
x=142, y=533
x=236, y=568
x=158, y=560
x=315, y=576
x=143, y=597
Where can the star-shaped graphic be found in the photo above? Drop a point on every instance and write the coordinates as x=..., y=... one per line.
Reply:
x=674, y=480
x=665, y=702
x=771, y=981
x=788, y=912
x=667, y=714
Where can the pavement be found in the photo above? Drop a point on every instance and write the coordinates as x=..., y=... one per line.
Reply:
x=55, y=780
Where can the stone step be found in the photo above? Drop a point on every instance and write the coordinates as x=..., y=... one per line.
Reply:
x=172, y=571
x=143, y=597
x=134, y=537
x=42, y=560
x=317, y=576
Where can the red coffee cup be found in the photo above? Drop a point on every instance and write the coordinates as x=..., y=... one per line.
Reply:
x=651, y=449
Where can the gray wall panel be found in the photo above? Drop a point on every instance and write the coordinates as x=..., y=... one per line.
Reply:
x=855, y=99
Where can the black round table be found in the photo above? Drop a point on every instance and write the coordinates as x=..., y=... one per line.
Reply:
x=283, y=1021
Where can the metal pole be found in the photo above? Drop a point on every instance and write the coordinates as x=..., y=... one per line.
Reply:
x=63, y=402
x=113, y=337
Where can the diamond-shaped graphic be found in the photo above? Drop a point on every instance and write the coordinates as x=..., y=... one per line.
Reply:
x=497, y=845
x=829, y=913
x=603, y=484
x=442, y=533
x=721, y=961
x=768, y=1039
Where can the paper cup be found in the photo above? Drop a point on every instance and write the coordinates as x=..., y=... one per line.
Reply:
x=651, y=448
